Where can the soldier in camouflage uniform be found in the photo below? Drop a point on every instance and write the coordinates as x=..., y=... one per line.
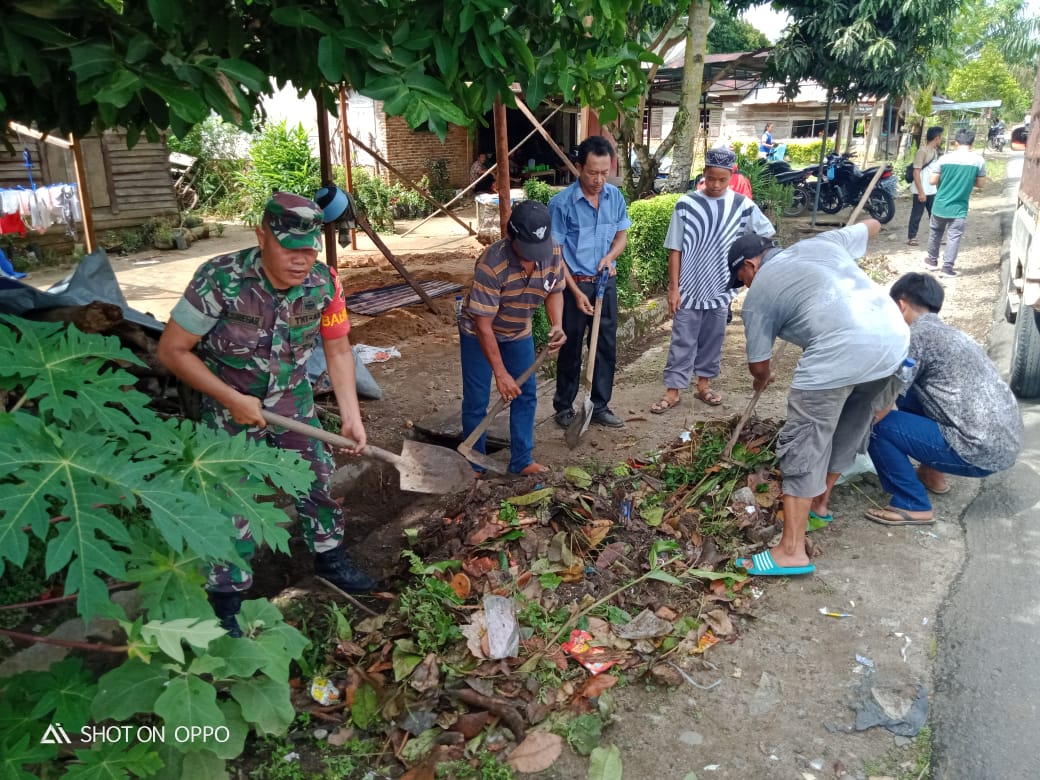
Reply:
x=241, y=335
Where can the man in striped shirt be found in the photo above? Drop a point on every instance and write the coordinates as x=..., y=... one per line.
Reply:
x=704, y=225
x=512, y=278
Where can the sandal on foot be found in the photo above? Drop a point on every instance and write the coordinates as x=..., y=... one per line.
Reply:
x=663, y=405
x=709, y=396
x=891, y=515
x=532, y=468
x=911, y=242
x=816, y=522
x=762, y=565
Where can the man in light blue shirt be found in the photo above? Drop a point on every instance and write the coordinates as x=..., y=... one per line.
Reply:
x=590, y=223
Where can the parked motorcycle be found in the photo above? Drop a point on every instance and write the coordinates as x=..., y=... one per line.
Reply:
x=802, y=190
x=996, y=139
x=844, y=184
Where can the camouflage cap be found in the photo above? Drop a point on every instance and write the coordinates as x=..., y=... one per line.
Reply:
x=295, y=221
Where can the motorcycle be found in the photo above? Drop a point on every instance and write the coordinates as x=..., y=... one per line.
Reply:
x=802, y=190
x=996, y=138
x=844, y=183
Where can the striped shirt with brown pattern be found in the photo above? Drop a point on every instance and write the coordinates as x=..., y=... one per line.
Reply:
x=503, y=290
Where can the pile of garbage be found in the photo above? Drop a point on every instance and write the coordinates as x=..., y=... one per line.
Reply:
x=516, y=612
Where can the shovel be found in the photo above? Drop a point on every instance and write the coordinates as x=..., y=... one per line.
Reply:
x=581, y=420
x=424, y=468
x=727, y=453
x=466, y=448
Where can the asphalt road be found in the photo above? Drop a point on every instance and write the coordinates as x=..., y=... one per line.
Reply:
x=986, y=713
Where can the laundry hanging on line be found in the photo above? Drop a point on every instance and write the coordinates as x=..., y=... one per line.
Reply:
x=23, y=209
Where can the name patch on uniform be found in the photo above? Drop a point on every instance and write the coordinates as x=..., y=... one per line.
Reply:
x=304, y=319
x=248, y=319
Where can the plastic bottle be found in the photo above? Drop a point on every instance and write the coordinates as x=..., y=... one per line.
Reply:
x=906, y=371
x=458, y=306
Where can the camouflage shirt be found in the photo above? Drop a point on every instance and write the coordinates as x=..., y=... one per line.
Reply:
x=256, y=338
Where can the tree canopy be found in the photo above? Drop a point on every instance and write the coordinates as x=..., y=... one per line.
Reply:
x=988, y=77
x=861, y=47
x=74, y=65
x=731, y=34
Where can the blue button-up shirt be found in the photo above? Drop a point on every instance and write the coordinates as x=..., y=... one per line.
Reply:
x=585, y=233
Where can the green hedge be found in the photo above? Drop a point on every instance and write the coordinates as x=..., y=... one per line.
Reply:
x=536, y=189
x=645, y=257
x=798, y=154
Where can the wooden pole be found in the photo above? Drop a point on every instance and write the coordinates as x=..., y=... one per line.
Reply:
x=505, y=200
x=411, y=184
x=489, y=170
x=347, y=164
x=84, y=195
x=545, y=134
x=325, y=162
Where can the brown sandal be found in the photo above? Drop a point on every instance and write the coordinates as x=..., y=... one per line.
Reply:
x=890, y=515
x=663, y=405
x=710, y=397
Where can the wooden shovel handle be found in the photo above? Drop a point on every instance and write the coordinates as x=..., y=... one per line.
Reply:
x=499, y=404
x=726, y=453
x=370, y=451
x=596, y=316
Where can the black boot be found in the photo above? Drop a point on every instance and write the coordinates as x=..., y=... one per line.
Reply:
x=226, y=606
x=338, y=568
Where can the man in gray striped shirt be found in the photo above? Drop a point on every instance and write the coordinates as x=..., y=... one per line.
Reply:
x=704, y=225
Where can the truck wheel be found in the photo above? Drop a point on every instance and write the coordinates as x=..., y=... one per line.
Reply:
x=1025, y=355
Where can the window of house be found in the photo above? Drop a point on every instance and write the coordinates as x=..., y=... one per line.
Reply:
x=809, y=128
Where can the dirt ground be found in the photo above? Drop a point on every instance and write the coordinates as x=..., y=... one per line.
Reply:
x=791, y=676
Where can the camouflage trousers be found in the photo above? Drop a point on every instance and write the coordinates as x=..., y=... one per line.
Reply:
x=320, y=516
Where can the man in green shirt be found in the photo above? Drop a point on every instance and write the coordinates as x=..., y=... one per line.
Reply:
x=957, y=174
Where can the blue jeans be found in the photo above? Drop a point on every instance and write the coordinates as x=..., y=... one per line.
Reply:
x=477, y=385
x=906, y=433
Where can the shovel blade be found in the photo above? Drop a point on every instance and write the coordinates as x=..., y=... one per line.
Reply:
x=427, y=468
x=579, y=424
x=482, y=460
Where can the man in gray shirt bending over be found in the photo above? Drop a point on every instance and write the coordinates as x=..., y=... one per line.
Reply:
x=854, y=340
x=957, y=417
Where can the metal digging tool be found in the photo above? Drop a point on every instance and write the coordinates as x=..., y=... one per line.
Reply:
x=727, y=453
x=466, y=448
x=424, y=468
x=581, y=420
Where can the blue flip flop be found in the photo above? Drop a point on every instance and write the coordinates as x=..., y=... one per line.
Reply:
x=816, y=522
x=762, y=565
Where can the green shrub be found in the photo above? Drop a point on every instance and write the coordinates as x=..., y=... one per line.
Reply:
x=439, y=181
x=645, y=257
x=803, y=154
x=281, y=160
x=536, y=189
x=540, y=327
x=373, y=196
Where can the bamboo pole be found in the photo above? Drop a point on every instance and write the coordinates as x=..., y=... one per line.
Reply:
x=84, y=195
x=348, y=166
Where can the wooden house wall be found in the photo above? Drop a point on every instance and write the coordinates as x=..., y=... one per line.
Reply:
x=127, y=187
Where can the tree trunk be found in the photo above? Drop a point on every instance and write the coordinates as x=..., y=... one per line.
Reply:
x=687, y=118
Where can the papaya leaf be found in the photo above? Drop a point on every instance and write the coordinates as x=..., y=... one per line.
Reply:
x=111, y=760
x=169, y=634
x=128, y=689
x=265, y=703
x=68, y=372
x=67, y=691
x=189, y=701
x=24, y=751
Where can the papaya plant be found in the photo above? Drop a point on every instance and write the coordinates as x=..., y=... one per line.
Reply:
x=116, y=493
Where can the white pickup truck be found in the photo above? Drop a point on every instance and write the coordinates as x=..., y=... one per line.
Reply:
x=1023, y=290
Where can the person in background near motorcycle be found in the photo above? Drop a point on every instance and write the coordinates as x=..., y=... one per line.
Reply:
x=765, y=145
x=703, y=227
x=815, y=295
x=957, y=173
x=590, y=223
x=956, y=417
x=922, y=191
